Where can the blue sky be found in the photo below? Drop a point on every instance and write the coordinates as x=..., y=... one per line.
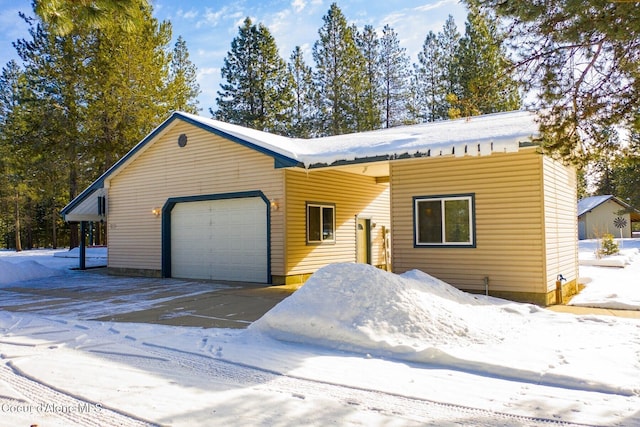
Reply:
x=208, y=27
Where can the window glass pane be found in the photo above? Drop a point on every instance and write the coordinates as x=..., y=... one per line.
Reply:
x=327, y=223
x=457, y=221
x=429, y=221
x=313, y=223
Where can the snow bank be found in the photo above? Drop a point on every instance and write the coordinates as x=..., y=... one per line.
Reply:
x=359, y=307
x=624, y=258
x=25, y=270
x=414, y=317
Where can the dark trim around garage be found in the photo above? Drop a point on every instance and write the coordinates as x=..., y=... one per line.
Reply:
x=166, y=223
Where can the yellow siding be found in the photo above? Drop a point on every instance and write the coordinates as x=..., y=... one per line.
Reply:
x=509, y=220
x=208, y=164
x=561, y=225
x=352, y=195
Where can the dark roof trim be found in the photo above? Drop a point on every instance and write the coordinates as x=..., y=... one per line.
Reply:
x=355, y=161
x=280, y=161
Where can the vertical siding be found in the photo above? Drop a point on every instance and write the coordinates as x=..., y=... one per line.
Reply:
x=508, y=220
x=352, y=195
x=599, y=221
x=208, y=164
x=561, y=223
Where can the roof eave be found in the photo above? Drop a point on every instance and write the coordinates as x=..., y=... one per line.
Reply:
x=280, y=161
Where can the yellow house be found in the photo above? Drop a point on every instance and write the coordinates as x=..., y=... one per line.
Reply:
x=470, y=201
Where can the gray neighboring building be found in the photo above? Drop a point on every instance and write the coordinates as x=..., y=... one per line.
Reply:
x=598, y=215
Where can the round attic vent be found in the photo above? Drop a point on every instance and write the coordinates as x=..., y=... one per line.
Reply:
x=182, y=140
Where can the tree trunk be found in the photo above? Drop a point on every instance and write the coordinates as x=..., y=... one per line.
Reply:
x=17, y=224
x=97, y=239
x=54, y=228
x=74, y=235
x=27, y=225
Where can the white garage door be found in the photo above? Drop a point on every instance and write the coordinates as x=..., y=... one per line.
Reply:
x=223, y=239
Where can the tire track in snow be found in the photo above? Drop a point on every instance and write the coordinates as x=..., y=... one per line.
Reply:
x=413, y=409
x=46, y=400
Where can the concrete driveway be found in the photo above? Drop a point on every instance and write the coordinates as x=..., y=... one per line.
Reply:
x=95, y=295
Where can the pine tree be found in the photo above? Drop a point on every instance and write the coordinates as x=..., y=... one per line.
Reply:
x=304, y=113
x=438, y=74
x=616, y=170
x=581, y=59
x=368, y=87
x=65, y=16
x=258, y=88
x=485, y=71
x=89, y=96
x=415, y=106
x=626, y=174
x=338, y=68
x=54, y=72
x=449, y=45
x=428, y=72
x=394, y=66
x=183, y=88
x=12, y=178
x=126, y=80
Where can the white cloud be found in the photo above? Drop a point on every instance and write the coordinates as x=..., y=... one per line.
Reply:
x=213, y=18
x=438, y=5
x=298, y=5
x=203, y=72
x=280, y=22
x=191, y=14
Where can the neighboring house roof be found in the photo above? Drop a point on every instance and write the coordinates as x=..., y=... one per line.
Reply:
x=478, y=135
x=589, y=203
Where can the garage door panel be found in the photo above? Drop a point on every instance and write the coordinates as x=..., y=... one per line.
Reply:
x=220, y=240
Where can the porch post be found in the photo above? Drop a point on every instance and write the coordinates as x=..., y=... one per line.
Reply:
x=83, y=249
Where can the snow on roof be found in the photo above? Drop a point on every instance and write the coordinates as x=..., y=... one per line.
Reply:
x=478, y=135
x=589, y=203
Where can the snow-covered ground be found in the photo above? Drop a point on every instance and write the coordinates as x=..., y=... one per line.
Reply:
x=610, y=287
x=354, y=346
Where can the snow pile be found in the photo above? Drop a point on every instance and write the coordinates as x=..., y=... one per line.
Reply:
x=613, y=288
x=26, y=270
x=483, y=360
x=414, y=317
x=361, y=308
x=622, y=259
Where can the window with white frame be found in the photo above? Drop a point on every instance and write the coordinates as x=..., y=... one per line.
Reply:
x=321, y=220
x=444, y=221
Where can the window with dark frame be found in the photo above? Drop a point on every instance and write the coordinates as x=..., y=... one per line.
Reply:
x=444, y=221
x=320, y=223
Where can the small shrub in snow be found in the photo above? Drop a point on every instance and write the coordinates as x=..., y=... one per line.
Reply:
x=608, y=246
